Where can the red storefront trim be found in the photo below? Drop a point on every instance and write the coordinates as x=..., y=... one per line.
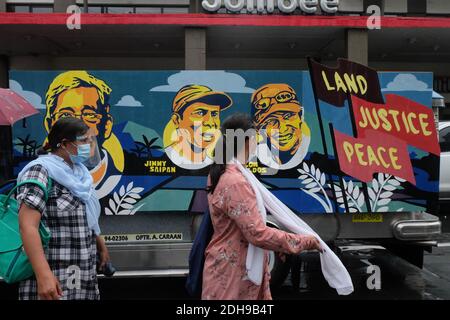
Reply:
x=200, y=19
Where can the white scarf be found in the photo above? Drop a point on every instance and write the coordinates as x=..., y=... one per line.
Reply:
x=333, y=270
x=78, y=180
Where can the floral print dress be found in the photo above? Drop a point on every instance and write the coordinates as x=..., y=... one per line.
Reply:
x=237, y=222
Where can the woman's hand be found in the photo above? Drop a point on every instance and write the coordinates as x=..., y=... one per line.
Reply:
x=103, y=252
x=311, y=243
x=48, y=286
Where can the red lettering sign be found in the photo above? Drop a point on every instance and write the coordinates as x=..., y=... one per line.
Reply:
x=375, y=152
x=399, y=117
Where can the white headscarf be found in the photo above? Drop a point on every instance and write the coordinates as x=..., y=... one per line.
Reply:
x=333, y=270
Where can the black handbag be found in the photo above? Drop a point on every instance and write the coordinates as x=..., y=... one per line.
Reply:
x=197, y=256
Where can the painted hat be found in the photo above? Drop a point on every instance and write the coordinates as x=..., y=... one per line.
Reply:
x=198, y=93
x=271, y=98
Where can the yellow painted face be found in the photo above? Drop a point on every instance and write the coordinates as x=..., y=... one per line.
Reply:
x=81, y=103
x=201, y=124
x=284, y=129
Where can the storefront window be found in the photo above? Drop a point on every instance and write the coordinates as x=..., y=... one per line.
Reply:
x=20, y=8
x=176, y=10
x=137, y=9
x=15, y=8
x=42, y=9
x=29, y=9
x=148, y=10
x=121, y=9
x=95, y=9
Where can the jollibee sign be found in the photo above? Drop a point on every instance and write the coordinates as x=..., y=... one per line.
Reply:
x=261, y=6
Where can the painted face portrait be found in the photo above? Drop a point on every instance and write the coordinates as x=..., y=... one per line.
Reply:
x=78, y=94
x=284, y=129
x=199, y=124
x=194, y=126
x=278, y=115
x=81, y=95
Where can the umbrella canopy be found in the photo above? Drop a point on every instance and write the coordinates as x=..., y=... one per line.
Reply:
x=13, y=107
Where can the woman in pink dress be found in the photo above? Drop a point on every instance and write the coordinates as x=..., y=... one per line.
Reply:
x=237, y=222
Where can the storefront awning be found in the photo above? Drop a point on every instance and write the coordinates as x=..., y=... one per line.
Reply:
x=203, y=20
x=438, y=100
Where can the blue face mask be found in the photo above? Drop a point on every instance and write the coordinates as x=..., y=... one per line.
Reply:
x=83, y=153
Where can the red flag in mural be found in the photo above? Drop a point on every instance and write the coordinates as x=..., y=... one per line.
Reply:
x=335, y=85
x=375, y=152
x=409, y=121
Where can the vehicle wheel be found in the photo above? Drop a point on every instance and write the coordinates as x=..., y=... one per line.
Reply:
x=410, y=253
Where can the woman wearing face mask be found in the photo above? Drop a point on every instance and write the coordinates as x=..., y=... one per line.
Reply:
x=66, y=269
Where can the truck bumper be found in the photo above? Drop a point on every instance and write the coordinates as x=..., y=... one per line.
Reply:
x=425, y=227
x=404, y=226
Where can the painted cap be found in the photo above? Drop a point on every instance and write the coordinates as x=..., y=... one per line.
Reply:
x=271, y=98
x=198, y=93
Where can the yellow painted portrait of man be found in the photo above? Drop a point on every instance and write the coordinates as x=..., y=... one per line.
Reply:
x=278, y=117
x=80, y=94
x=194, y=126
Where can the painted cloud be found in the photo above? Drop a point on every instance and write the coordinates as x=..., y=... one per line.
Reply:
x=30, y=96
x=406, y=82
x=128, y=101
x=216, y=80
